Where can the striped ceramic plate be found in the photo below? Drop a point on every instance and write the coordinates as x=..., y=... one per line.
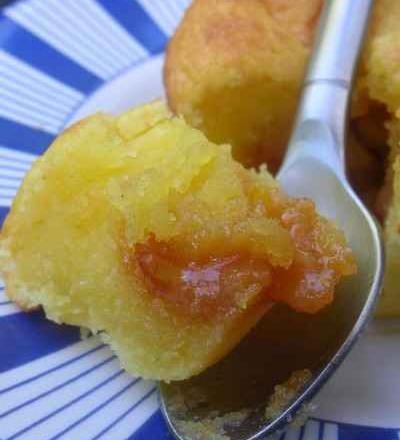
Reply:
x=61, y=60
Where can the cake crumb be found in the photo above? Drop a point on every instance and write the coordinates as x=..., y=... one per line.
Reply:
x=216, y=426
x=285, y=392
x=212, y=428
x=85, y=333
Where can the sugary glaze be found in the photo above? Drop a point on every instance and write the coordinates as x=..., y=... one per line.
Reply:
x=202, y=284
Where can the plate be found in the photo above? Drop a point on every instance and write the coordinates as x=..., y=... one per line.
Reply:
x=60, y=61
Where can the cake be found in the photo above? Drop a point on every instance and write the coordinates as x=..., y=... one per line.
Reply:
x=141, y=230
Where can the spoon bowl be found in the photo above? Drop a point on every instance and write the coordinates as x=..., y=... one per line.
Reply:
x=285, y=341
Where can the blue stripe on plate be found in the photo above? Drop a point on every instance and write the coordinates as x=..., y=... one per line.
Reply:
x=51, y=370
x=353, y=432
x=321, y=431
x=137, y=22
x=23, y=138
x=58, y=387
x=153, y=429
x=17, y=41
x=67, y=405
x=124, y=414
x=3, y=213
x=4, y=3
x=98, y=408
x=28, y=336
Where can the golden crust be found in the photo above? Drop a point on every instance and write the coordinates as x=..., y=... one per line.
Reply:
x=383, y=82
x=389, y=304
x=382, y=57
x=387, y=206
x=234, y=94
x=234, y=69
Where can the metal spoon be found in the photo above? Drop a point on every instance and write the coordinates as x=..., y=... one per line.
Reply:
x=284, y=341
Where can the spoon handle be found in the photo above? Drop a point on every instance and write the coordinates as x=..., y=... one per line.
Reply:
x=338, y=41
x=320, y=126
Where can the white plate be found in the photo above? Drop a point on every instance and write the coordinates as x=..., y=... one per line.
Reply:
x=60, y=61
